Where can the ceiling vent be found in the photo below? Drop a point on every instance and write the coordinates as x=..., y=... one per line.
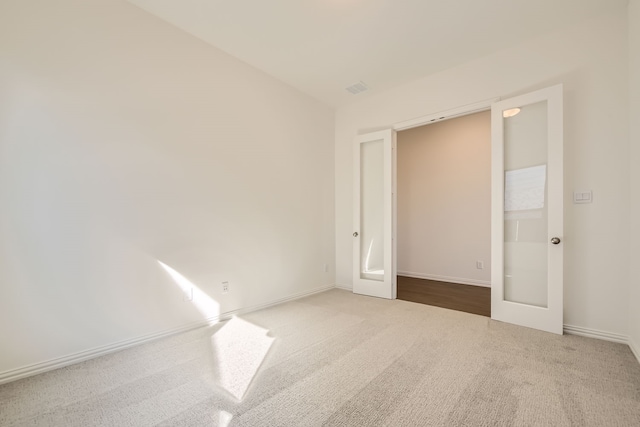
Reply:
x=357, y=88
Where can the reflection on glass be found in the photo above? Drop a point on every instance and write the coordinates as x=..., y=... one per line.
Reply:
x=371, y=210
x=524, y=189
x=525, y=206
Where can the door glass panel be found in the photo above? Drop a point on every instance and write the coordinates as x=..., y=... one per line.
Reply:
x=525, y=205
x=371, y=210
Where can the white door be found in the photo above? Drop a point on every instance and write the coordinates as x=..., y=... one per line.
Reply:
x=374, y=218
x=527, y=210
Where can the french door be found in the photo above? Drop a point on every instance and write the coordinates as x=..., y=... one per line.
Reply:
x=527, y=210
x=374, y=219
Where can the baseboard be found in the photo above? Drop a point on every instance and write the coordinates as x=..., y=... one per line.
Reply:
x=594, y=333
x=60, y=362
x=345, y=287
x=635, y=348
x=229, y=314
x=459, y=280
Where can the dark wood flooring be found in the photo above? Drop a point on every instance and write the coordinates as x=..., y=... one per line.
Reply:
x=467, y=298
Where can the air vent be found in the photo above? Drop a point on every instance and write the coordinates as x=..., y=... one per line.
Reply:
x=357, y=88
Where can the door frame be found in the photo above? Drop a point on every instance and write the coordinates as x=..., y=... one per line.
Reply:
x=452, y=113
x=464, y=110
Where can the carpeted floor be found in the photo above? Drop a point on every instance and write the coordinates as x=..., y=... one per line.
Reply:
x=340, y=359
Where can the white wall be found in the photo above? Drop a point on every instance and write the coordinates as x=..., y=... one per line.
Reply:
x=444, y=200
x=634, y=138
x=124, y=142
x=591, y=60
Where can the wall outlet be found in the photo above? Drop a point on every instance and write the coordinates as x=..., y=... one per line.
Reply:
x=225, y=287
x=479, y=265
x=326, y=268
x=187, y=295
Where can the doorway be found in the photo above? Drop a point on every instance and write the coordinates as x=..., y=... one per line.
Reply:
x=444, y=213
x=526, y=207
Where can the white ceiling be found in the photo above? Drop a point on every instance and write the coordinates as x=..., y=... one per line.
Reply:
x=323, y=46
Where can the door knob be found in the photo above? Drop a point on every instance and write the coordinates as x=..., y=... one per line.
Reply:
x=355, y=234
x=555, y=240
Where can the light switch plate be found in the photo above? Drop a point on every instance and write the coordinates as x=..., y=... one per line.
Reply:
x=585, y=196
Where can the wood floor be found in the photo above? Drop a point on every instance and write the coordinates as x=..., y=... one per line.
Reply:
x=467, y=298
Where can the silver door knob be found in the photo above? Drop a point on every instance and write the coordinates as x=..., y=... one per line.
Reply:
x=555, y=240
x=355, y=234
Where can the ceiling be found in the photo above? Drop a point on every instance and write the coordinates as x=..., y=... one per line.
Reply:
x=323, y=46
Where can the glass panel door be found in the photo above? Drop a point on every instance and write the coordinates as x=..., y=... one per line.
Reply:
x=527, y=210
x=373, y=247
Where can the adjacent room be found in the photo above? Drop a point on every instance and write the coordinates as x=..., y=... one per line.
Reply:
x=184, y=212
x=444, y=213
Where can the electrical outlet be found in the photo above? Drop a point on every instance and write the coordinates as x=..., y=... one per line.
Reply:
x=187, y=295
x=326, y=268
x=225, y=287
x=479, y=265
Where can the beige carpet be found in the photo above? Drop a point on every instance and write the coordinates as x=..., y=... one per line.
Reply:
x=344, y=360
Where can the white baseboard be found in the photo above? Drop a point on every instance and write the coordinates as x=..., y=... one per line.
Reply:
x=245, y=310
x=60, y=362
x=459, y=280
x=635, y=349
x=594, y=333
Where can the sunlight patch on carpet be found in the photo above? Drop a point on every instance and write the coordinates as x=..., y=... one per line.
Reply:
x=224, y=419
x=239, y=348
